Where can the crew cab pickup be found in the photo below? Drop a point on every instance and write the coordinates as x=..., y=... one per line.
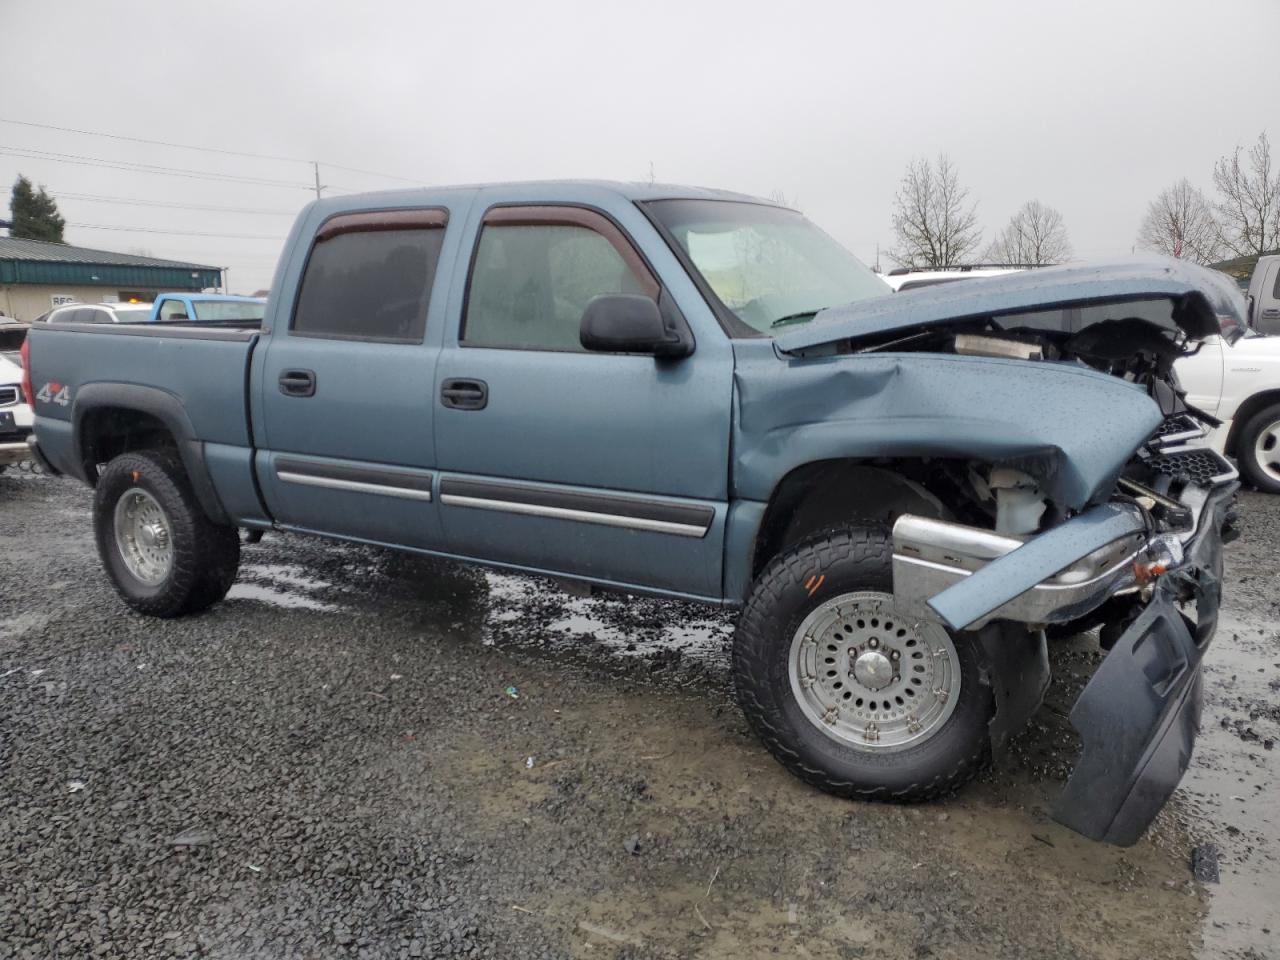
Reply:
x=700, y=395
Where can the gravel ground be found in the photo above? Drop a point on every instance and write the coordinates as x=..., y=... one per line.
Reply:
x=362, y=754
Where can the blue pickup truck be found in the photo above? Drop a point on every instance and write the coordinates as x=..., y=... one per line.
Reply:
x=698, y=394
x=207, y=308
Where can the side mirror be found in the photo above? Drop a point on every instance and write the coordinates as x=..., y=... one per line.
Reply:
x=629, y=323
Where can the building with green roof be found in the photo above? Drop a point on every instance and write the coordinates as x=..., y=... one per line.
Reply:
x=36, y=276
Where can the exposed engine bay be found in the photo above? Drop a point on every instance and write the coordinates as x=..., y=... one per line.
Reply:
x=1137, y=342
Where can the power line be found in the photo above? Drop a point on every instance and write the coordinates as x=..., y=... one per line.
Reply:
x=139, y=201
x=176, y=233
x=156, y=143
x=133, y=167
x=373, y=173
x=202, y=149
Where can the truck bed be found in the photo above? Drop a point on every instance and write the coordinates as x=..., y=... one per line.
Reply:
x=193, y=378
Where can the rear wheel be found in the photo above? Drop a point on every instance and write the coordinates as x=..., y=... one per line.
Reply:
x=165, y=557
x=846, y=692
x=1258, y=449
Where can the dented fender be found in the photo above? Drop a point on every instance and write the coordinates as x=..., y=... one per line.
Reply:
x=1070, y=427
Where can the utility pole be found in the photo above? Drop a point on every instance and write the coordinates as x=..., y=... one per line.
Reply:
x=315, y=167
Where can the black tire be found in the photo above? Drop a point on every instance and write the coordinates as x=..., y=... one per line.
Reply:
x=1246, y=452
x=851, y=559
x=206, y=556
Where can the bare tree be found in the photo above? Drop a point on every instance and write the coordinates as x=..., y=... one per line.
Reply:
x=1248, y=199
x=1035, y=235
x=934, y=224
x=1180, y=222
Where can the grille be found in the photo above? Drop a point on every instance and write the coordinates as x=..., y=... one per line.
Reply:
x=1199, y=465
x=8, y=396
x=1177, y=429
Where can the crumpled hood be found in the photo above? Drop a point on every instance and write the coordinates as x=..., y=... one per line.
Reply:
x=1206, y=302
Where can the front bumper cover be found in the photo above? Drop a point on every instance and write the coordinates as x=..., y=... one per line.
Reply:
x=1139, y=714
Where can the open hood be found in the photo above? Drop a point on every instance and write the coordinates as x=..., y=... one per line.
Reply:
x=1204, y=302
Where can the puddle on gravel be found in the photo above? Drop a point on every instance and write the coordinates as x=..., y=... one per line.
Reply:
x=281, y=586
x=510, y=611
x=527, y=610
x=1232, y=788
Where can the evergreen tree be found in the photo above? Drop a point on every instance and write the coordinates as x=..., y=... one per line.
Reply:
x=35, y=214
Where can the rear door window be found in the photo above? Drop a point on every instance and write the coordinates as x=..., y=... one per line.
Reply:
x=369, y=277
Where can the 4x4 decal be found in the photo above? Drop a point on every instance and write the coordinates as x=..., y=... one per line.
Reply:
x=54, y=392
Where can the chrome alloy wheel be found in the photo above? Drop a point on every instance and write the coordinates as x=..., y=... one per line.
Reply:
x=143, y=536
x=1266, y=450
x=871, y=678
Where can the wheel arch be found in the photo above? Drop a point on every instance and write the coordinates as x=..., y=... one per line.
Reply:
x=1244, y=413
x=826, y=493
x=113, y=418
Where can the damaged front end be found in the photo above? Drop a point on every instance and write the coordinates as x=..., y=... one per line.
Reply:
x=1090, y=500
x=1151, y=561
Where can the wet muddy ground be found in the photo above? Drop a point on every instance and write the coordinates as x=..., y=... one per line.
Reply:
x=366, y=754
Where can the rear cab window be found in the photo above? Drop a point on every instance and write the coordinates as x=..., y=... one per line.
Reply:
x=173, y=309
x=369, y=276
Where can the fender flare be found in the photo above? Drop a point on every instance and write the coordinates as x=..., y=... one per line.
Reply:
x=165, y=407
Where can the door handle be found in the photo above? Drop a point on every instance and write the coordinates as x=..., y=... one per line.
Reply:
x=298, y=383
x=464, y=394
x=1271, y=313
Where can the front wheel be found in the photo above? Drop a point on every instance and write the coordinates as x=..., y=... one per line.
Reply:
x=846, y=692
x=164, y=556
x=1258, y=449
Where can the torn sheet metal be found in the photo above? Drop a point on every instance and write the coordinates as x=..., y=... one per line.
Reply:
x=1070, y=427
x=1206, y=302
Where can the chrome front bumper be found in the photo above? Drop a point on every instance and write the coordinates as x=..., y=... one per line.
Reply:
x=965, y=577
x=931, y=555
x=14, y=452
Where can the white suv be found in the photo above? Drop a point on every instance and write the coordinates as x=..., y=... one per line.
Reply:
x=101, y=313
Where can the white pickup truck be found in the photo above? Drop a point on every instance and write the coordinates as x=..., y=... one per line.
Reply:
x=1240, y=384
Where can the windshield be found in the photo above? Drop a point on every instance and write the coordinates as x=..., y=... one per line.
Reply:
x=768, y=267
x=227, y=310
x=133, y=314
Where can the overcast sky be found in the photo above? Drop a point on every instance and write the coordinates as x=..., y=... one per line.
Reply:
x=1089, y=107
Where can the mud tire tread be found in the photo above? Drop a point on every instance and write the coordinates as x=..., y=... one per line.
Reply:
x=206, y=555
x=853, y=557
